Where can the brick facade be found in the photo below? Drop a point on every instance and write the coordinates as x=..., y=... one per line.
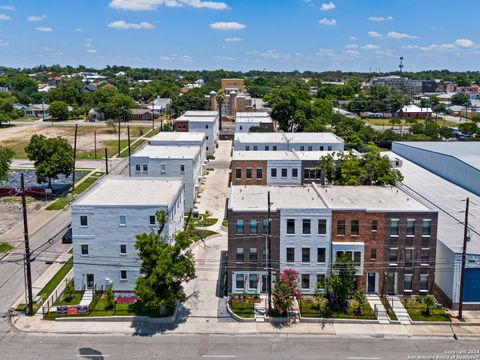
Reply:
x=252, y=165
x=181, y=126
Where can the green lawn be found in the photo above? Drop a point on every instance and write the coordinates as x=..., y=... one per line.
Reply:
x=133, y=147
x=386, y=122
x=62, y=202
x=4, y=247
x=391, y=314
x=74, y=301
x=199, y=234
x=243, y=308
x=311, y=309
x=416, y=310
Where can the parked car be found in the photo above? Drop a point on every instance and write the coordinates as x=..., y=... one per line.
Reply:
x=67, y=237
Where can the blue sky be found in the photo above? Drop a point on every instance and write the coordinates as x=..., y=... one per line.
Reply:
x=356, y=35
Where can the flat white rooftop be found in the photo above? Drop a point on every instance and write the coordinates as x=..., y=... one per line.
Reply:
x=280, y=155
x=370, y=198
x=125, y=191
x=279, y=137
x=254, y=198
x=198, y=113
x=314, y=155
x=168, y=152
x=178, y=137
x=202, y=119
x=262, y=114
x=254, y=120
x=267, y=137
x=323, y=137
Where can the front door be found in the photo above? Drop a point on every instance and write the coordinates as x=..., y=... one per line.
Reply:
x=264, y=283
x=90, y=281
x=371, y=283
x=391, y=283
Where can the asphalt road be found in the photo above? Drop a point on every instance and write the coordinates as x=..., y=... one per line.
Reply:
x=16, y=346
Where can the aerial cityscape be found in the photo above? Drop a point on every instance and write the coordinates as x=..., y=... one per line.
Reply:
x=192, y=179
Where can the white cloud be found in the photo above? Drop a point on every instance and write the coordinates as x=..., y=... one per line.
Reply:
x=275, y=55
x=88, y=45
x=400, y=36
x=353, y=38
x=227, y=26
x=352, y=53
x=328, y=22
x=79, y=30
x=351, y=46
x=7, y=7
x=464, y=43
x=371, y=47
x=175, y=57
x=36, y=18
x=139, y=5
x=4, y=17
x=380, y=18
x=91, y=51
x=224, y=58
x=233, y=39
x=327, y=6
x=44, y=29
x=374, y=34
x=309, y=3
x=4, y=43
x=122, y=25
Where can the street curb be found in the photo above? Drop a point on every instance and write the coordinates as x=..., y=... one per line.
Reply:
x=238, y=318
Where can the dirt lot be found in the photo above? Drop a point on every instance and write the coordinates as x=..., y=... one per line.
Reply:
x=11, y=210
x=17, y=137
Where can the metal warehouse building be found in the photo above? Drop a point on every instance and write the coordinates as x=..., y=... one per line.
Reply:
x=458, y=162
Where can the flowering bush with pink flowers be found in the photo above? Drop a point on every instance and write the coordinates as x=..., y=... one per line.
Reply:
x=285, y=291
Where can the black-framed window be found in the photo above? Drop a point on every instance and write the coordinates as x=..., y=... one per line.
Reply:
x=259, y=173
x=423, y=282
x=294, y=173
x=284, y=173
x=321, y=255
x=408, y=257
x=273, y=172
x=393, y=255
x=408, y=282
x=424, y=256
x=305, y=255
x=426, y=227
x=83, y=220
x=123, y=249
x=357, y=258
x=238, y=173
x=355, y=227
x=253, y=226
x=152, y=219
x=394, y=225
x=239, y=227
x=253, y=254
x=240, y=255
x=410, y=227
x=322, y=226
x=373, y=254
x=84, y=249
x=239, y=281
x=123, y=274
x=374, y=225
x=305, y=281
x=290, y=226
x=290, y=255
x=306, y=226
x=249, y=174
x=340, y=227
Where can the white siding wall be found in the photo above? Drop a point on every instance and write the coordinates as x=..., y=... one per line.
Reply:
x=202, y=144
x=211, y=132
x=284, y=164
x=299, y=241
x=239, y=146
x=447, y=271
x=316, y=147
x=244, y=126
x=104, y=235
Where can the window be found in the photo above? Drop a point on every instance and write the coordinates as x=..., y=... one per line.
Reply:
x=290, y=255
x=340, y=227
x=305, y=281
x=151, y=220
x=310, y=148
x=423, y=282
x=306, y=226
x=408, y=257
x=274, y=147
x=123, y=220
x=163, y=169
x=249, y=173
x=145, y=167
x=259, y=173
x=374, y=225
x=408, y=282
x=321, y=147
x=354, y=227
x=239, y=227
x=424, y=256
x=239, y=257
x=305, y=255
x=252, y=281
x=357, y=258
x=394, y=227
x=267, y=147
x=83, y=220
x=123, y=249
x=410, y=227
x=137, y=168
x=265, y=226
x=84, y=249
x=273, y=173
x=253, y=225
x=182, y=169
x=294, y=173
x=329, y=148
x=239, y=281
x=321, y=252
x=393, y=255
x=253, y=255
x=206, y=126
x=373, y=254
x=238, y=173
x=255, y=148
x=290, y=226
x=302, y=148
x=123, y=275
x=241, y=127
x=322, y=227
x=426, y=227
x=284, y=173
x=247, y=148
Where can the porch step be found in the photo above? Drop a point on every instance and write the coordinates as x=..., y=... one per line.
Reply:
x=375, y=301
x=87, y=297
x=399, y=310
x=259, y=310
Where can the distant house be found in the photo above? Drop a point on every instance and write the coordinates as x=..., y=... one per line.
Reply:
x=37, y=110
x=414, y=112
x=140, y=114
x=90, y=87
x=52, y=81
x=160, y=105
x=95, y=114
x=5, y=89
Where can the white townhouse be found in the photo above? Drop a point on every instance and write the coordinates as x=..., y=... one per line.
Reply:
x=171, y=162
x=106, y=220
x=206, y=122
x=171, y=138
x=246, y=120
x=278, y=141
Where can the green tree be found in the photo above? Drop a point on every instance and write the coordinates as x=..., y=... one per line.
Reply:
x=460, y=99
x=341, y=282
x=445, y=132
x=429, y=302
x=110, y=297
x=285, y=291
x=69, y=292
x=59, y=110
x=7, y=112
x=470, y=128
x=319, y=292
x=6, y=156
x=361, y=300
x=51, y=156
x=165, y=268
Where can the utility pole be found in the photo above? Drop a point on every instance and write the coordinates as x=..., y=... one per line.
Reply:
x=106, y=161
x=95, y=142
x=269, y=257
x=27, y=248
x=119, y=124
x=153, y=116
x=74, y=155
x=464, y=255
x=129, y=153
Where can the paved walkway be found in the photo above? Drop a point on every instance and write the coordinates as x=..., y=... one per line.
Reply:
x=399, y=310
x=374, y=301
